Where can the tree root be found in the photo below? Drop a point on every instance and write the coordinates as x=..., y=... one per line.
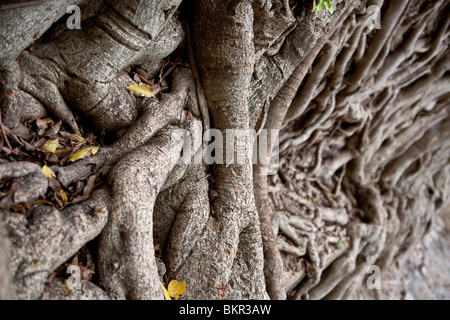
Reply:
x=51, y=237
x=126, y=252
x=156, y=115
x=57, y=289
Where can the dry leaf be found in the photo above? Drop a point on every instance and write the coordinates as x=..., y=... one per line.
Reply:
x=43, y=123
x=80, y=138
x=41, y=201
x=48, y=173
x=141, y=90
x=63, y=152
x=63, y=195
x=176, y=288
x=83, y=153
x=50, y=145
x=142, y=73
x=53, y=130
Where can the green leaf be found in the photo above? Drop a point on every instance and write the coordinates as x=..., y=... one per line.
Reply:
x=329, y=6
x=319, y=7
x=340, y=244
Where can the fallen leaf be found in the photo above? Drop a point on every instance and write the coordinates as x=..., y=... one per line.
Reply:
x=63, y=195
x=166, y=293
x=72, y=137
x=86, y=273
x=63, y=152
x=80, y=138
x=43, y=123
x=340, y=244
x=42, y=201
x=48, y=173
x=50, y=145
x=141, y=90
x=83, y=153
x=142, y=73
x=137, y=78
x=53, y=130
x=176, y=288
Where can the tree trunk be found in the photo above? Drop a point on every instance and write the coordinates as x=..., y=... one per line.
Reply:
x=349, y=125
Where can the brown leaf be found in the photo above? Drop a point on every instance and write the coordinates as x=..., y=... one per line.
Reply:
x=86, y=273
x=41, y=132
x=53, y=129
x=142, y=73
x=137, y=78
x=63, y=152
x=52, y=158
x=70, y=137
x=39, y=143
x=44, y=123
x=27, y=146
x=59, y=203
x=79, y=186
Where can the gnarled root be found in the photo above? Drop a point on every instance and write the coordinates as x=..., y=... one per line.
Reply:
x=49, y=238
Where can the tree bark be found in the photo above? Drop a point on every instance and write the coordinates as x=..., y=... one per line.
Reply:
x=356, y=119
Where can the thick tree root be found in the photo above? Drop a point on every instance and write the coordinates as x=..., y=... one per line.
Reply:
x=156, y=115
x=57, y=289
x=126, y=252
x=364, y=163
x=49, y=238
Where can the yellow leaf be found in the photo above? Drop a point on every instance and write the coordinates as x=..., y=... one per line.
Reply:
x=48, y=173
x=41, y=201
x=50, y=146
x=63, y=195
x=166, y=293
x=176, y=288
x=83, y=153
x=80, y=138
x=142, y=90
